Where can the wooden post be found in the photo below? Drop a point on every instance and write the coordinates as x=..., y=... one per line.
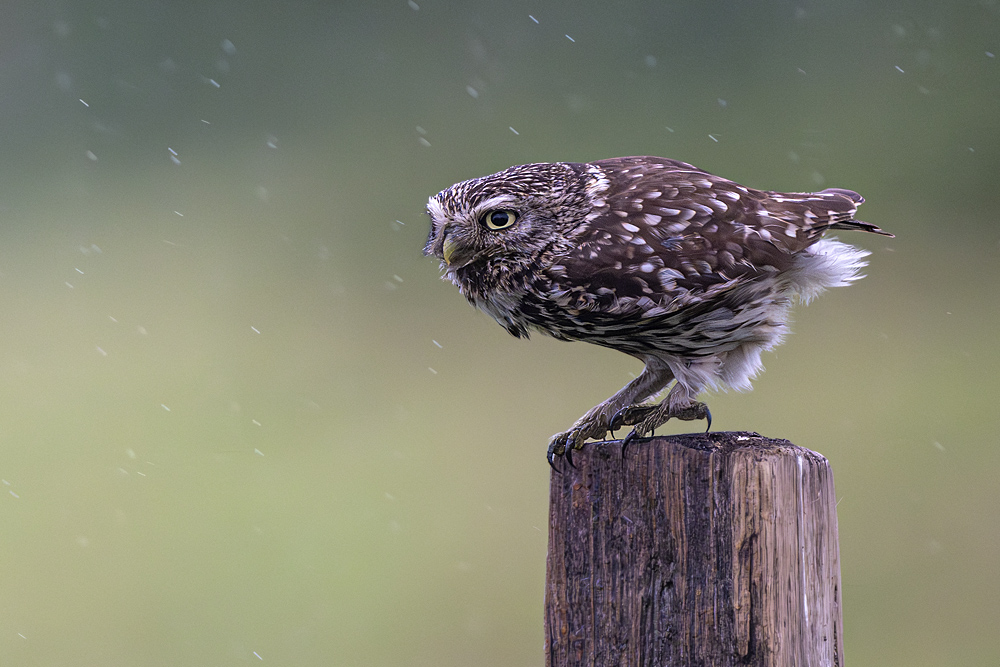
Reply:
x=717, y=549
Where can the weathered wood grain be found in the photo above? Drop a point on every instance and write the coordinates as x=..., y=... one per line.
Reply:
x=713, y=549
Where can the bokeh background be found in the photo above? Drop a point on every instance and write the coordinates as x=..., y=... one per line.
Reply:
x=241, y=418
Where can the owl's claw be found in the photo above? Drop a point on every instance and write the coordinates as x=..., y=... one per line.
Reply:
x=631, y=415
x=647, y=418
x=551, y=458
x=563, y=444
x=558, y=446
x=618, y=419
x=569, y=457
x=626, y=440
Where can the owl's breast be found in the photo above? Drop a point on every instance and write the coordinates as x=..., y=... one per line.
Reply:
x=506, y=308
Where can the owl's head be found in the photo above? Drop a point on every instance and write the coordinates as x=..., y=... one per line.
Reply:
x=492, y=224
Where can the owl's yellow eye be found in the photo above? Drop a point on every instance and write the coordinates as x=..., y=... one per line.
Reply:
x=497, y=220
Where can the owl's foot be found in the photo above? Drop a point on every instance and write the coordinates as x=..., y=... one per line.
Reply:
x=562, y=444
x=646, y=418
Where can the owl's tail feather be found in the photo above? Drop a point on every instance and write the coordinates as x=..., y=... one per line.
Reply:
x=856, y=225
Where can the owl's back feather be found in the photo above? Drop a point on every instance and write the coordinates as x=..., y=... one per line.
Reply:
x=664, y=235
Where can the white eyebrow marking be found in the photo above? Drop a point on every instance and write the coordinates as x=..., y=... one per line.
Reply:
x=494, y=202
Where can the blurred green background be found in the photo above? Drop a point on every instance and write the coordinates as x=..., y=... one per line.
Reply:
x=241, y=418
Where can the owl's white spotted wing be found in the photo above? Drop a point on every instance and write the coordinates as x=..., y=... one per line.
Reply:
x=669, y=234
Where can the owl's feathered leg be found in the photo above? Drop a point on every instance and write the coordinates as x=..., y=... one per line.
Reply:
x=597, y=422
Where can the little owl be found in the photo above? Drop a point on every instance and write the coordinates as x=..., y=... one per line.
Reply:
x=690, y=273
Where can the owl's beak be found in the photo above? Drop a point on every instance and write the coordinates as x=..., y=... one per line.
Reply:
x=442, y=243
x=455, y=254
x=449, y=249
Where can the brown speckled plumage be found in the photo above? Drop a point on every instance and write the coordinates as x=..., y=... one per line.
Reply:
x=689, y=272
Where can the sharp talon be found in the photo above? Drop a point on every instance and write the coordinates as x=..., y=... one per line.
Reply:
x=708, y=416
x=569, y=457
x=616, y=421
x=551, y=458
x=626, y=440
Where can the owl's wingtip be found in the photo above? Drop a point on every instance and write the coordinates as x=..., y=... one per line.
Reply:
x=862, y=226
